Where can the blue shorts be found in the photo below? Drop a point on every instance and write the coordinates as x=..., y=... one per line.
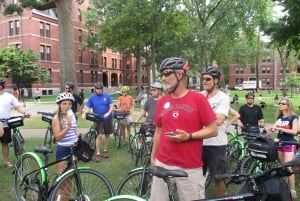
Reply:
x=62, y=151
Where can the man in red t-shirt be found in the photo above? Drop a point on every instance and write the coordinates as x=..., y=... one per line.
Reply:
x=190, y=119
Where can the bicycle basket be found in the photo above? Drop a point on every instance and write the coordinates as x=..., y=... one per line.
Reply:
x=47, y=118
x=263, y=148
x=119, y=114
x=83, y=150
x=14, y=122
x=91, y=117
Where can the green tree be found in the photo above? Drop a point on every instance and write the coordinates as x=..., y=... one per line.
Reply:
x=23, y=67
x=292, y=81
x=63, y=10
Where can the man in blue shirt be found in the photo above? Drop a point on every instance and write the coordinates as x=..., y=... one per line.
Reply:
x=101, y=103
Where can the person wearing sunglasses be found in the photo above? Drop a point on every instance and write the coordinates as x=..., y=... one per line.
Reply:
x=148, y=110
x=77, y=105
x=101, y=103
x=214, y=148
x=183, y=118
x=251, y=116
x=286, y=126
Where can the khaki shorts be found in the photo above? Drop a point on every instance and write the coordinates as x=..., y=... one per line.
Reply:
x=188, y=188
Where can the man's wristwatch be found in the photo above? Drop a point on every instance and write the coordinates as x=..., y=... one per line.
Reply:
x=190, y=137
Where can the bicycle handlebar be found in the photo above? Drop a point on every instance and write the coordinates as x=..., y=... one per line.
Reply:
x=280, y=171
x=46, y=113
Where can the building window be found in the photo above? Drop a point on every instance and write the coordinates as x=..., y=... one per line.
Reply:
x=42, y=52
x=11, y=28
x=239, y=70
x=50, y=75
x=268, y=70
x=42, y=29
x=79, y=15
x=80, y=35
x=92, y=76
x=18, y=46
x=17, y=27
x=48, y=53
x=104, y=62
x=81, y=76
x=48, y=33
x=80, y=57
x=120, y=64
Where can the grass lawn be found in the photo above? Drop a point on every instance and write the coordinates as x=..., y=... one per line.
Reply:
x=119, y=163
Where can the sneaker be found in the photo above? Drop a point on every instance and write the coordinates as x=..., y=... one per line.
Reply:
x=105, y=154
x=98, y=158
x=294, y=194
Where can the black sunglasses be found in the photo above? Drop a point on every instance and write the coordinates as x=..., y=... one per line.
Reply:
x=99, y=88
x=167, y=73
x=207, y=79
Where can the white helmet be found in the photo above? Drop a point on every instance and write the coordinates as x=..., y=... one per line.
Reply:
x=157, y=85
x=64, y=96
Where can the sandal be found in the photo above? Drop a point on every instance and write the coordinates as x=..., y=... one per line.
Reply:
x=8, y=165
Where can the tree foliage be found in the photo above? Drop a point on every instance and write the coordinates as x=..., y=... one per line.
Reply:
x=23, y=67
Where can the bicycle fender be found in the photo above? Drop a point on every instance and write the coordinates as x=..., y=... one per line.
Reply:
x=38, y=160
x=69, y=171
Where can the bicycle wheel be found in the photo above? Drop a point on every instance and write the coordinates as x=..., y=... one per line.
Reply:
x=18, y=143
x=117, y=134
x=133, y=148
x=95, y=186
x=48, y=138
x=28, y=177
x=235, y=151
x=90, y=138
x=137, y=183
x=248, y=165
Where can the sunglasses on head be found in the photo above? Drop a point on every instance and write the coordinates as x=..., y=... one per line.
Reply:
x=207, y=79
x=282, y=103
x=167, y=73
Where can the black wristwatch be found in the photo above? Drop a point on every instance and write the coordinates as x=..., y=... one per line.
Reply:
x=190, y=137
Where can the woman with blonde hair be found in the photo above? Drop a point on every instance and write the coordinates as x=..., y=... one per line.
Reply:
x=286, y=126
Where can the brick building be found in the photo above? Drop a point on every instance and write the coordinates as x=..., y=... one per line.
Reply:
x=269, y=72
x=38, y=30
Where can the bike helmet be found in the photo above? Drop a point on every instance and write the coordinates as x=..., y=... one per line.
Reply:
x=175, y=63
x=3, y=82
x=125, y=89
x=249, y=94
x=157, y=85
x=98, y=85
x=209, y=70
x=64, y=96
x=70, y=84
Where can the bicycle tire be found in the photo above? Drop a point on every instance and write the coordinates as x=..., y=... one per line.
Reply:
x=95, y=186
x=48, y=138
x=235, y=151
x=248, y=165
x=90, y=138
x=136, y=183
x=125, y=198
x=26, y=186
x=18, y=143
x=133, y=148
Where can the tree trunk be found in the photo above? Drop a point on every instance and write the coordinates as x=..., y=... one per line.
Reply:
x=66, y=51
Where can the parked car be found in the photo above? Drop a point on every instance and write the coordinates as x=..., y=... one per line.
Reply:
x=239, y=87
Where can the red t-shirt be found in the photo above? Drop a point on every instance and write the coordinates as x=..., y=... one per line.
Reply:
x=190, y=113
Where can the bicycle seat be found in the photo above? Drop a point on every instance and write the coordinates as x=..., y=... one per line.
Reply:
x=163, y=172
x=43, y=150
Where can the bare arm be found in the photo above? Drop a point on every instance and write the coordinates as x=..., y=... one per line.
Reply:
x=57, y=131
x=155, y=145
x=141, y=115
x=235, y=116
